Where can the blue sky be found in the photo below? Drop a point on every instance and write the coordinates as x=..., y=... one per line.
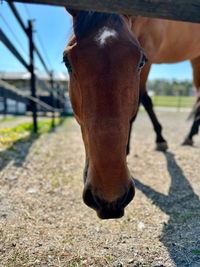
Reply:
x=53, y=26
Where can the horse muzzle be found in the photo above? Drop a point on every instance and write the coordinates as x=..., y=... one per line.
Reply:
x=105, y=209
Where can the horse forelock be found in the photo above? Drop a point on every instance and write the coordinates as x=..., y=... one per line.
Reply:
x=88, y=21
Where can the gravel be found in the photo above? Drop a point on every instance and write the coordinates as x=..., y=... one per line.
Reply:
x=43, y=221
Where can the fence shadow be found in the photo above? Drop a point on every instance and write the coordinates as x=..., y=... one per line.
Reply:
x=19, y=149
x=181, y=234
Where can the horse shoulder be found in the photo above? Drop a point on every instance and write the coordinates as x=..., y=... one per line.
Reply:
x=150, y=33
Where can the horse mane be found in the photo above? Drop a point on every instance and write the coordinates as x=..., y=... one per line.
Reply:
x=88, y=21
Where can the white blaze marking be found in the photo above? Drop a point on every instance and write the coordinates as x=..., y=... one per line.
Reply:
x=104, y=34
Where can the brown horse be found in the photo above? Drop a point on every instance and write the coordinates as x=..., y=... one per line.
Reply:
x=104, y=60
x=168, y=42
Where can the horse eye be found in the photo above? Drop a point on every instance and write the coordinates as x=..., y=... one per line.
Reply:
x=142, y=62
x=67, y=64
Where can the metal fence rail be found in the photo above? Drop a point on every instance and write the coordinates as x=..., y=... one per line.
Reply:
x=9, y=92
x=11, y=101
x=56, y=95
x=5, y=40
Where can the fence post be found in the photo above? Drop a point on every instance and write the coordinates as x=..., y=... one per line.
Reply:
x=16, y=105
x=5, y=103
x=32, y=81
x=64, y=102
x=180, y=93
x=58, y=96
x=52, y=99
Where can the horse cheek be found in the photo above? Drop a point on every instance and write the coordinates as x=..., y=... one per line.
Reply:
x=75, y=97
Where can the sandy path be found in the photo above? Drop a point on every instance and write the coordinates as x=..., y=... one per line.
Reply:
x=43, y=221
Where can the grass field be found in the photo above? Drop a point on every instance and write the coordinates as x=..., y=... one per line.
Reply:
x=173, y=101
x=23, y=131
x=7, y=119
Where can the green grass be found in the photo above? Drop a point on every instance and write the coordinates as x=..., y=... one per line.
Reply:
x=174, y=101
x=10, y=135
x=196, y=251
x=7, y=119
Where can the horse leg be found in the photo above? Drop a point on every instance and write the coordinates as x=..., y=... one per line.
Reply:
x=161, y=144
x=129, y=135
x=196, y=123
x=143, y=78
x=145, y=99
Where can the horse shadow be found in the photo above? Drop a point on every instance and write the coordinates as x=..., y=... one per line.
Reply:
x=181, y=234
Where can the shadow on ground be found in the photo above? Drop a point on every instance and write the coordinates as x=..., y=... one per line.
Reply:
x=18, y=151
x=181, y=234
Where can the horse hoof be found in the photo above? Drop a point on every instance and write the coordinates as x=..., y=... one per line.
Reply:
x=161, y=146
x=187, y=142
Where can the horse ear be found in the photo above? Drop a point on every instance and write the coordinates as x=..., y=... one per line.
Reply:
x=72, y=12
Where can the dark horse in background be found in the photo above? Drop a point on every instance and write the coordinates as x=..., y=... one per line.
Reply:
x=106, y=58
x=168, y=42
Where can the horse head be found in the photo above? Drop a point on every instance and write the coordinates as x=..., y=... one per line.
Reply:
x=104, y=60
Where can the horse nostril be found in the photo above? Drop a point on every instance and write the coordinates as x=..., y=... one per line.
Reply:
x=89, y=200
x=129, y=195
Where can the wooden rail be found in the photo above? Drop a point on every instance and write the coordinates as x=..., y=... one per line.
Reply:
x=183, y=10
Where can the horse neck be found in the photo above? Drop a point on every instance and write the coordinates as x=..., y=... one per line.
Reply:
x=162, y=41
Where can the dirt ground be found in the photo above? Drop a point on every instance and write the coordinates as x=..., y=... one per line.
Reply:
x=43, y=221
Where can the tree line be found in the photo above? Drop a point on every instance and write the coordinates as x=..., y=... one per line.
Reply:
x=170, y=88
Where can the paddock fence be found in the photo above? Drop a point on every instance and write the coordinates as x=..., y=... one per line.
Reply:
x=13, y=100
x=181, y=10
